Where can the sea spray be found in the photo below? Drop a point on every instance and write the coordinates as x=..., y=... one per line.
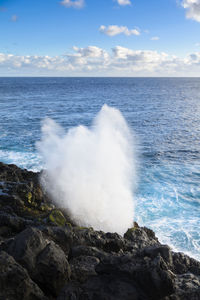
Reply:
x=90, y=171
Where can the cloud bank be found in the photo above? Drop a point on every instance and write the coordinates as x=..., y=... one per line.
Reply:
x=193, y=9
x=95, y=61
x=113, y=30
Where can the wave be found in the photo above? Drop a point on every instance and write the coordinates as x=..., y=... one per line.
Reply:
x=25, y=160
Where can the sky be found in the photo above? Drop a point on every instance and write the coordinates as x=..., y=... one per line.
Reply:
x=100, y=38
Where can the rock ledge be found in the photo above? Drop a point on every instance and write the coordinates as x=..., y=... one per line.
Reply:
x=44, y=255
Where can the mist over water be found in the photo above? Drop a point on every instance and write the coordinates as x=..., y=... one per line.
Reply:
x=90, y=170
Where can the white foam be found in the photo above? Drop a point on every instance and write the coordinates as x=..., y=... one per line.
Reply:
x=28, y=160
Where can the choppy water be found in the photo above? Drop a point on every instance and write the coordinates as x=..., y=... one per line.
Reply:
x=163, y=112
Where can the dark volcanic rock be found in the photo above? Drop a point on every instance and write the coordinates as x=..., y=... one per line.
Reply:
x=15, y=283
x=141, y=237
x=25, y=248
x=11, y=173
x=187, y=287
x=45, y=261
x=52, y=269
x=184, y=264
x=87, y=251
x=12, y=221
x=21, y=183
x=44, y=254
x=151, y=275
x=108, y=242
x=63, y=236
x=103, y=287
x=82, y=267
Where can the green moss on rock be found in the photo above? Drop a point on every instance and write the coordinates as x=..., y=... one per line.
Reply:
x=129, y=232
x=57, y=217
x=45, y=207
x=81, y=227
x=29, y=197
x=30, y=200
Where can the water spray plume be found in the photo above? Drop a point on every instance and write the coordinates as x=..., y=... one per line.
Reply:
x=90, y=171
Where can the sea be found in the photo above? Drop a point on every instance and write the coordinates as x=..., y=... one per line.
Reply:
x=164, y=116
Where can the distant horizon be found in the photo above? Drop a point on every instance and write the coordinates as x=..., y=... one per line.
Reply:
x=92, y=77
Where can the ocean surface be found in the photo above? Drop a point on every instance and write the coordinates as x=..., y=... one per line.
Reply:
x=164, y=114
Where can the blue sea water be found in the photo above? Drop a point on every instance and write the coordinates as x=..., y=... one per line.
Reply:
x=165, y=116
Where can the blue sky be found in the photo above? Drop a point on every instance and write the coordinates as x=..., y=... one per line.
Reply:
x=100, y=38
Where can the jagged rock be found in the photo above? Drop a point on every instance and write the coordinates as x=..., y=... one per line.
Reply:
x=87, y=251
x=114, y=243
x=109, y=242
x=26, y=246
x=89, y=237
x=162, y=250
x=44, y=260
x=13, y=223
x=15, y=283
x=182, y=263
x=186, y=295
x=151, y=275
x=141, y=237
x=52, y=269
x=187, y=287
x=42, y=252
x=63, y=236
x=21, y=182
x=20, y=190
x=13, y=173
x=82, y=267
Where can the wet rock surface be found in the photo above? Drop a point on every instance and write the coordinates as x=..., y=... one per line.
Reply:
x=44, y=255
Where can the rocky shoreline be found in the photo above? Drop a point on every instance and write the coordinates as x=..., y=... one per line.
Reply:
x=44, y=255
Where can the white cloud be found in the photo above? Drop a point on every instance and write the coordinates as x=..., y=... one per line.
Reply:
x=138, y=60
x=90, y=51
x=155, y=38
x=113, y=30
x=193, y=9
x=88, y=58
x=124, y=2
x=73, y=3
x=193, y=59
x=95, y=61
x=121, y=52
